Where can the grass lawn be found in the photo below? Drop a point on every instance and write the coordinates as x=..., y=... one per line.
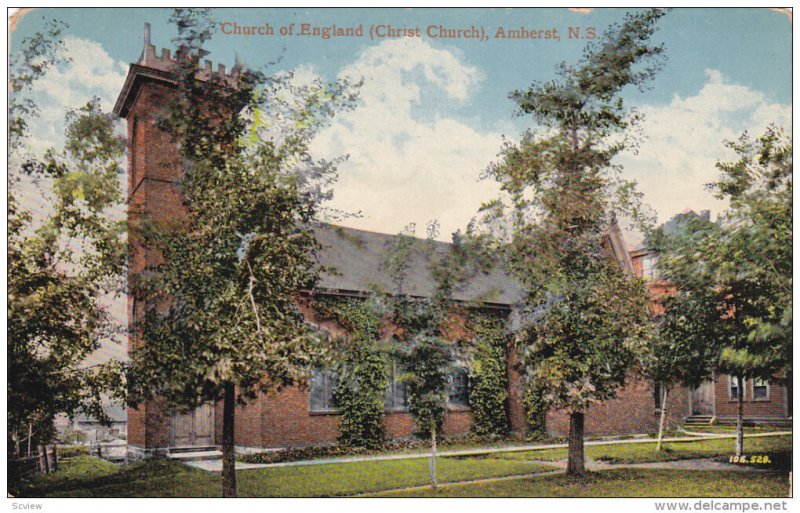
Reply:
x=646, y=452
x=86, y=476
x=622, y=483
x=161, y=478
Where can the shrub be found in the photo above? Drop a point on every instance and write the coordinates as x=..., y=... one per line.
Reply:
x=70, y=451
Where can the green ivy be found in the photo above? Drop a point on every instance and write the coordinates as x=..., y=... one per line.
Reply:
x=535, y=408
x=361, y=365
x=488, y=377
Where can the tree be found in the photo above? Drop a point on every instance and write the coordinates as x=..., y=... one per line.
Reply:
x=756, y=261
x=220, y=319
x=733, y=277
x=62, y=260
x=758, y=240
x=562, y=194
x=685, y=347
x=426, y=355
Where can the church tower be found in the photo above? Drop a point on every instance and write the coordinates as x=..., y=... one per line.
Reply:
x=154, y=174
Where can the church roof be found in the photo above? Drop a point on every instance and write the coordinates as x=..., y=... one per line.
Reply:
x=358, y=256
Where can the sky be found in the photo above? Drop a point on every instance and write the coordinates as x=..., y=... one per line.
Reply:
x=433, y=111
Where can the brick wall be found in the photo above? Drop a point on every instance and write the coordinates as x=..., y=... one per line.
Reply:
x=152, y=187
x=283, y=419
x=773, y=406
x=633, y=411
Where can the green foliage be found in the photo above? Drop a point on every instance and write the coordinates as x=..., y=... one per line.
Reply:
x=621, y=483
x=70, y=451
x=732, y=277
x=587, y=321
x=361, y=366
x=62, y=260
x=756, y=266
x=219, y=308
x=536, y=407
x=488, y=376
x=427, y=363
x=425, y=355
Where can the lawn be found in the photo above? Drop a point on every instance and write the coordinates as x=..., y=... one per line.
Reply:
x=160, y=478
x=621, y=483
x=646, y=452
x=85, y=476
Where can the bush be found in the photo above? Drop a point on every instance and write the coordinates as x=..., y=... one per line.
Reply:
x=70, y=451
x=340, y=450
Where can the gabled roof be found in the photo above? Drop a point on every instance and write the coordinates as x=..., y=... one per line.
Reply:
x=358, y=257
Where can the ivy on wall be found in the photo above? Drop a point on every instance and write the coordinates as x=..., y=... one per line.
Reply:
x=488, y=376
x=361, y=362
x=535, y=408
x=361, y=365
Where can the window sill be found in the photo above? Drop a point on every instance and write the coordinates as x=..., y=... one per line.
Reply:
x=322, y=413
x=454, y=408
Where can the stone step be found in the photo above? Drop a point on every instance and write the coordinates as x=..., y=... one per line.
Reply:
x=193, y=448
x=196, y=455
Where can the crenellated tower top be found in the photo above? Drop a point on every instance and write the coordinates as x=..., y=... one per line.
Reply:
x=160, y=66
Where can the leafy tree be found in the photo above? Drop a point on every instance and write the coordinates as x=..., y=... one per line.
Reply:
x=427, y=356
x=62, y=260
x=733, y=277
x=685, y=347
x=562, y=194
x=221, y=320
x=758, y=242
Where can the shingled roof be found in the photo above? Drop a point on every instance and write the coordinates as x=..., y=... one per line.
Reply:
x=358, y=257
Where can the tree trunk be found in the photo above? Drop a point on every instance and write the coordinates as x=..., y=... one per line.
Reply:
x=55, y=458
x=30, y=435
x=663, y=419
x=228, y=459
x=740, y=417
x=433, y=456
x=575, y=462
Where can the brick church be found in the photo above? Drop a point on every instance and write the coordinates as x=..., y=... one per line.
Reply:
x=295, y=417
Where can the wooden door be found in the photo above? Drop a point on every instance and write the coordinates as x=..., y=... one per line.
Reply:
x=194, y=428
x=703, y=399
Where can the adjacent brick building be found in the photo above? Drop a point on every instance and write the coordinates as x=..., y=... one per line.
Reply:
x=764, y=401
x=295, y=417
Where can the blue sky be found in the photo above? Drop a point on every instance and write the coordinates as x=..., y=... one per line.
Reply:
x=433, y=111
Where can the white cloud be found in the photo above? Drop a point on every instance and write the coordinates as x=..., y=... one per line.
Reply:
x=90, y=72
x=685, y=139
x=411, y=159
